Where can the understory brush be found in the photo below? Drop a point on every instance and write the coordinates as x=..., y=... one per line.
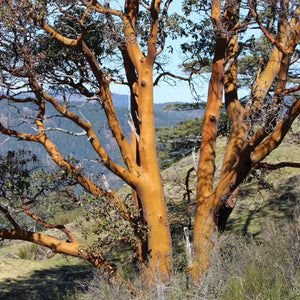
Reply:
x=27, y=251
x=267, y=267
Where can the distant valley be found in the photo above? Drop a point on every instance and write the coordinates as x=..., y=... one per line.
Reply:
x=78, y=147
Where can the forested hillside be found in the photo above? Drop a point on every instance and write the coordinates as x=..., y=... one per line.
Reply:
x=62, y=131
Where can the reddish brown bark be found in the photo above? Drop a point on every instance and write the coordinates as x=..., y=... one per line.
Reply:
x=205, y=201
x=214, y=205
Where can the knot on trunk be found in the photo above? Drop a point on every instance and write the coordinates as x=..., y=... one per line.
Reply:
x=212, y=118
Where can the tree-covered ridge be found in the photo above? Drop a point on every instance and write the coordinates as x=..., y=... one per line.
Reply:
x=177, y=141
x=61, y=130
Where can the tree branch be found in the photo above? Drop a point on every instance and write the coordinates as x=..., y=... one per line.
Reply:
x=10, y=218
x=101, y=8
x=132, y=10
x=265, y=81
x=20, y=135
x=163, y=30
x=152, y=40
x=63, y=164
x=18, y=100
x=206, y=165
x=113, y=123
x=275, y=138
x=145, y=5
x=64, y=40
x=73, y=249
x=47, y=225
x=264, y=30
x=92, y=137
x=268, y=166
x=291, y=90
x=171, y=75
x=62, y=130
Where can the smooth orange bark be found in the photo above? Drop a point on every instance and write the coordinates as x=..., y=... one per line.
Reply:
x=205, y=201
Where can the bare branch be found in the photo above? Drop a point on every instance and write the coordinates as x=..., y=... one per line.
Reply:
x=18, y=100
x=163, y=30
x=101, y=8
x=186, y=196
x=62, y=130
x=268, y=166
x=10, y=218
x=275, y=138
x=291, y=90
x=145, y=5
x=171, y=75
x=264, y=30
x=47, y=225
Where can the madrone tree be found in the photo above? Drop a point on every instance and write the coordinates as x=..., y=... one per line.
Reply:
x=85, y=46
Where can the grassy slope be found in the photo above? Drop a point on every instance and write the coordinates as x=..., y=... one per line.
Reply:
x=47, y=279
x=38, y=279
x=255, y=204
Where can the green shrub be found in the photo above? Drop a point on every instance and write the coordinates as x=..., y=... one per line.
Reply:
x=27, y=251
x=267, y=268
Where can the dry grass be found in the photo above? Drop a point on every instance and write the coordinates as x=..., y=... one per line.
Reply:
x=241, y=268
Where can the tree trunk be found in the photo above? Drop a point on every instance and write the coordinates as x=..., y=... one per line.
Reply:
x=204, y=227
x=155, y=214
x=206, y=200
x=149, y=188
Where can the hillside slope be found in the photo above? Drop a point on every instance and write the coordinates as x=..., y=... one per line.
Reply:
x=273, y=194
x=53, y=277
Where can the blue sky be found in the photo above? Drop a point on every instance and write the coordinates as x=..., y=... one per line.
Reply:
x=168, y=93
x=179, y=91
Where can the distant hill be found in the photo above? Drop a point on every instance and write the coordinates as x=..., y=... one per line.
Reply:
x=78, y=147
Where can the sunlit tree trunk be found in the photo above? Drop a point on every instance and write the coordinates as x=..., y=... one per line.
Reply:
x=150, y=189
x=140, y=171
x=214, y=204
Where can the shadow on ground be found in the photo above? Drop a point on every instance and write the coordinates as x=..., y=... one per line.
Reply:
x=280, y=205
x=54, y=283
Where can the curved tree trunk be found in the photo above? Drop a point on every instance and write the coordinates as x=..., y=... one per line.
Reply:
x=206, y=200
